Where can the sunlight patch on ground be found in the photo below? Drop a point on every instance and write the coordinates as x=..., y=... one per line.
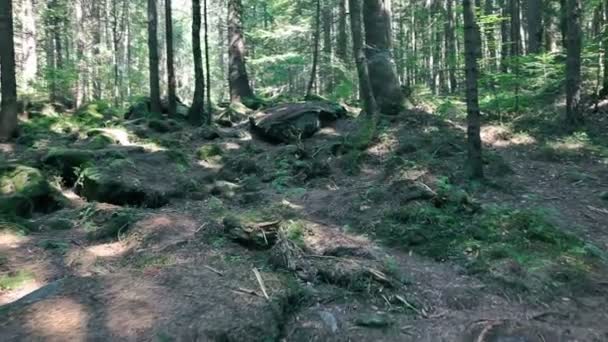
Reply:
x=230, y=146
x=503, y=136
x=7, y=148
x=108, y=250
x=57, y=318
x=23, y=290
x=10, y=240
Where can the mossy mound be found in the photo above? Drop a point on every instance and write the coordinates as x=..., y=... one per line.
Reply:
x=67, y=161
x=24, y=191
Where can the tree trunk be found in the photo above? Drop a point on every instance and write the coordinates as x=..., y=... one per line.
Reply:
x=382, y=69
x=573, y=63
x=450, y=40
x=153, y=58
x=504, y=37
x=535, y=27
x=8, y=81
x=515, y=46
x=604, y=91
x=208, y=69
x=471, y=44
x=29, y=44
x=238, y=80
x=315, y=52
x=341, y=49
x=490, y=35
x=171, y=84
x=367, y=94
x=197, y=109
x=328, y=78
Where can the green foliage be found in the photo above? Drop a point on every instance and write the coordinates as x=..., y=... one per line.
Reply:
x=209, y=152
x=14, y=281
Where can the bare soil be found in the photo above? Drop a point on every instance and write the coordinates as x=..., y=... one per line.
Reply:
x=176, y=277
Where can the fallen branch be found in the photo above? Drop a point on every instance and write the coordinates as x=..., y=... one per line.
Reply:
x=221, y=274
x=258, y=276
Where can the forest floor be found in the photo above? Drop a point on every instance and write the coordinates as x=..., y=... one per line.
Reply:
x=346, y=236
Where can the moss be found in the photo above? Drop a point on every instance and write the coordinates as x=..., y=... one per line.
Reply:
x=109, y=225
x=59, y=224
x=24, y=190
x=67, y=162
x=501, y=243
x=16, y=280
x=207, y=152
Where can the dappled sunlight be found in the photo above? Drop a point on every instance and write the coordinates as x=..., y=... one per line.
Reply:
x=108, y=250
x=23, y=290
x=57, y=318
x=11, y=240
x=7, y=148
x=503, y=136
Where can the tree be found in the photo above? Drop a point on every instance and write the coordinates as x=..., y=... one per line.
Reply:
x=153, y=58
x=315, y=53
x=573, y=63
x=238, y=79
x=197, y=109
x=474, y=164
x=382, y=70
x=535, y=28
x=170, y=60
x=8, y=81
x=367, y=94
x=450, y=41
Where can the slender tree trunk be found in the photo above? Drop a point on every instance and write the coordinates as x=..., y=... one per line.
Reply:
x=369, y=101
x=450, y=40
x=515, y=46
x=341, y=49
x=29, y=44
x=155, y=106
x=535, y=26
x=563, y=21
x=207, y=67
x=8, y=81
x=504, y=37
x=382, y=69
x=238, y=79
x=170, y=59
x=315, y=53
x=604, y=90
x=471, y=44
x=491, y=35
x=328, y=78
x=197, y=109
x=573, y=63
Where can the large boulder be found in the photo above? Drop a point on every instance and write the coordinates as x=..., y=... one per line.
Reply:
x=24, y=191
x=292, y=121
x=141, y=108
x=67, y=161
x=135, y=178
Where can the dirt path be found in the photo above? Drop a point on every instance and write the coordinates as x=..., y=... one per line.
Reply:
x=177, y=276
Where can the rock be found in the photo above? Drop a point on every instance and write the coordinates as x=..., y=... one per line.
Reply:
x=134, y=178
x=108, y=222
x=208, y=133
x=292, y=121
x=224, y=189
x=163, y=125
x=67, y=161
x=330, y=320
x=118, y=136
x=373, y=320
x=24, y=191
x=141, y=108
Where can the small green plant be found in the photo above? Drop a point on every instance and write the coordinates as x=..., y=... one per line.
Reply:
x=16, y=280
x=294, y=231
x=61, y=247
x=208, y=152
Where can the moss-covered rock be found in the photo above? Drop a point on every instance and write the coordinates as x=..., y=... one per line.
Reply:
x=24, y=191
x=207, y=152
x=67, y=161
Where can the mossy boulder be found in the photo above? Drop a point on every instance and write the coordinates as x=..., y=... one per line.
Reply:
x=137, y=179
x=163, y=126
x=24, y=191
x=293, y=121
x=67, y=161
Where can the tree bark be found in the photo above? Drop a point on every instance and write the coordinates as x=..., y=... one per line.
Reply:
x=604, y=90
x=207, y=67
x=153, y=58
x=504, y=36
x=8, y=81
x=535, y=27
x=315, y=52
x=197, y=109
x=328, y=78
x=171, y=84
x=342, y=44
x=238, y=79
x=472, y=45
x=573, y=63
x=382, y=69
x=367, y=94
x=450, y=40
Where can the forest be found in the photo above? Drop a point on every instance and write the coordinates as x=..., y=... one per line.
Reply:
x=304, y=170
